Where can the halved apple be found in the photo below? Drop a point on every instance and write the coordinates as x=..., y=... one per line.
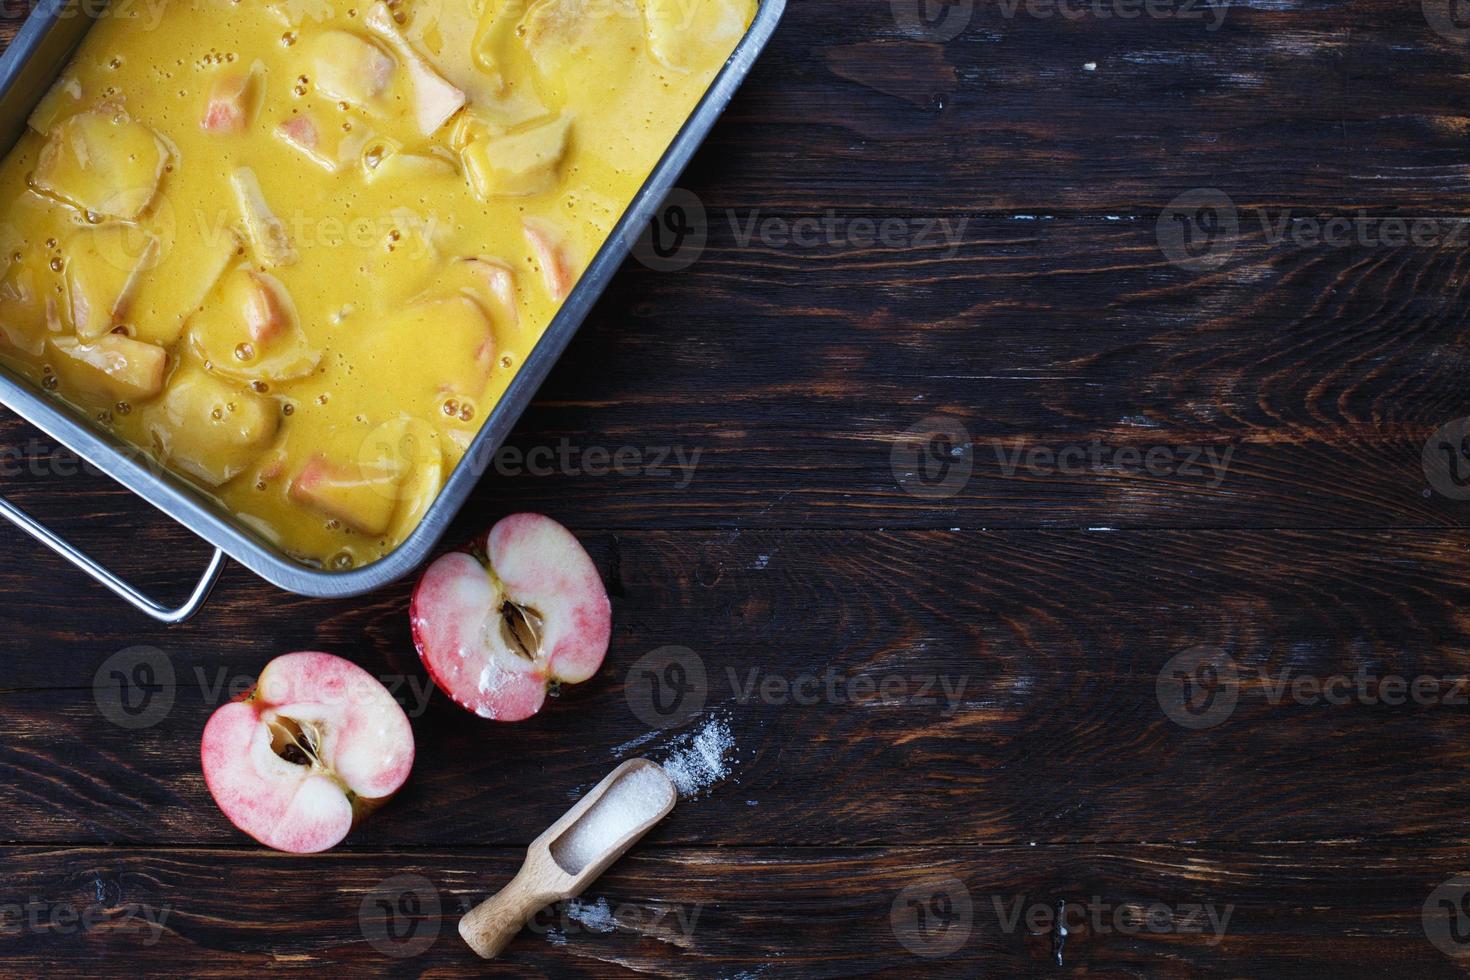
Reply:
x=316, y=746
x=522, y=609
x=103, y=163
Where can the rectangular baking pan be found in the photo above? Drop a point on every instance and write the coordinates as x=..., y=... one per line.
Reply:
x=27, y=69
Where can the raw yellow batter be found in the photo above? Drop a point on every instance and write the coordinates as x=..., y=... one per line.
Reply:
x=297, y=250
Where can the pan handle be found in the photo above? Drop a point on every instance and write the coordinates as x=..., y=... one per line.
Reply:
x=132, y=596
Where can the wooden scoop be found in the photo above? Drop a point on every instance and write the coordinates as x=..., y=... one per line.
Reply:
x=573, y=852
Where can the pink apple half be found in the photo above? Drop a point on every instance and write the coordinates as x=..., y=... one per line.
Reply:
x=315, y=747
x=519, y=610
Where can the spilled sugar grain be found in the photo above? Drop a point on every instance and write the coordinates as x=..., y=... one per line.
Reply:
x=635, y=743
x=699, y=760
x=594, y=916
x=693, y=763
x=629, y=803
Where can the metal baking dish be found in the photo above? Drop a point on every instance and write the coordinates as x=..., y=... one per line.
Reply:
x=27, y=69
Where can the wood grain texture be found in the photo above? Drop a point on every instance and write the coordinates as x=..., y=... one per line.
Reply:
x=1051, y=316
x=792, y=370
x=1042, y=719
x=741, y=912
x=749, y=395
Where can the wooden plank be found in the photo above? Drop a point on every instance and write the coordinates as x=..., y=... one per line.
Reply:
x=1051, y=728
x=1296, y=105
x=1322, y=370
x=793, y=370
x=769, y=387
x=1343, y=909
x=1301, y=106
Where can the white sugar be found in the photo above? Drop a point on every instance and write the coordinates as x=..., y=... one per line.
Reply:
x=596, y=918
x=700, y=760
x=628, y=804
x=635, y=743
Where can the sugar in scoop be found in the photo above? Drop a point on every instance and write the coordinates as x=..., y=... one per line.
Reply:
x=642, y=795
x=574, y=851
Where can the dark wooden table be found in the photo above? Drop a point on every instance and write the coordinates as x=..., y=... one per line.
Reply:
x=1175, y=488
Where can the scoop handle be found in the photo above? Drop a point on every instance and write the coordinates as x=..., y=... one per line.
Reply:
x=490, y=926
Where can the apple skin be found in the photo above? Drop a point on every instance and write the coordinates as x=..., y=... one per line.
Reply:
x=458, y=611
x=364, y=755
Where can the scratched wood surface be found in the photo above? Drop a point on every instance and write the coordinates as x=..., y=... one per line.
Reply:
x=1142, y=542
